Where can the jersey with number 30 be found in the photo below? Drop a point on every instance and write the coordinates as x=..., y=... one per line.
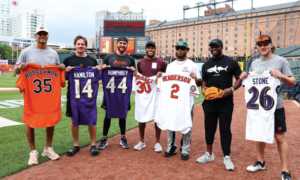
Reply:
x=144, y=89
x=261, y=99
x=41, y=88
x=84, y=84
x=175, y=102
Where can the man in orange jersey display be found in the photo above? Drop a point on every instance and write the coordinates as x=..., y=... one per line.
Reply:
x=44, y=84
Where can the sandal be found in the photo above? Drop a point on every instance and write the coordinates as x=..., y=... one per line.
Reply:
x=73, y=151
x=94, y=151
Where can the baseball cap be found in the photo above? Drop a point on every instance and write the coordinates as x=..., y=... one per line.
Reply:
x=182, y=44
x=264, y=38
x=41, y=29
x=216, y=42
x=122, y=39
x=150, y=43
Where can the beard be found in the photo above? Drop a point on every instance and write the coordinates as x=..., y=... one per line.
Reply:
x=181, y=57
x=122, y=50
x=218, y=53
x=150, y=56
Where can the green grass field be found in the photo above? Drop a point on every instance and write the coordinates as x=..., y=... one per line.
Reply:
x=14, y=148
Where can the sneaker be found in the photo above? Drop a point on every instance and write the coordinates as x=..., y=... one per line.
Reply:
x=184, y=156
x=256, y=167
x=158, y=147
x=94, y=151
x=286, y=176
x=33, y=157
x=206, y=158
x=140, y=145
x=228, y=164
x=172, y=152
x=124, y=143
x=103, y=143
x=50, y=153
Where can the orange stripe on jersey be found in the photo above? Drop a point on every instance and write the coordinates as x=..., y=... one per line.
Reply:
x=41, y=88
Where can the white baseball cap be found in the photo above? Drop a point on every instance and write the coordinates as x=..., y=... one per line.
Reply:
x=41, y=29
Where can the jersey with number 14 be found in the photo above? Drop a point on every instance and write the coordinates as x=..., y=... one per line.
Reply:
x=261, y=99
x=144, y=89
x=41, y=88
x=84, y=84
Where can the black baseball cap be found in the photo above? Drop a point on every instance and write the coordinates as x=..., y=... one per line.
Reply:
x=122, y=39
x=264, y=38
x=216, y=42
x=150, y=43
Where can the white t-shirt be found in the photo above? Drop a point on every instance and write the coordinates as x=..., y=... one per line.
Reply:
x=187, y=66
x=175, y=102
x=261, y=99
x=144, y=89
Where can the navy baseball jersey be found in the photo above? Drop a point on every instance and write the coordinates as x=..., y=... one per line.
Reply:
x=117, y=85
x=84, y=84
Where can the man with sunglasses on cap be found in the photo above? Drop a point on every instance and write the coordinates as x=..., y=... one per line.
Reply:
x=182, y=65
x=280, y=69
x=218, y=72
x=39, y=54
x=148, y=67
x=117, y=59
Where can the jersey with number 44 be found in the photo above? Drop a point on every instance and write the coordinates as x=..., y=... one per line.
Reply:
x=84, y=84
x=144, y=89
x=41, y=88
x=117, y=85
x=175, y=102
x=261, y=99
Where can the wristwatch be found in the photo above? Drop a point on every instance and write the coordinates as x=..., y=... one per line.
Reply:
x=232, y=89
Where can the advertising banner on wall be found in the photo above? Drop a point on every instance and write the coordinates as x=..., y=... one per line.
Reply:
x=140, y=43
x=105, y=45
x=130, y=48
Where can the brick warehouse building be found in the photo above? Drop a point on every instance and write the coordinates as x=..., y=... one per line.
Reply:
x=278, y=21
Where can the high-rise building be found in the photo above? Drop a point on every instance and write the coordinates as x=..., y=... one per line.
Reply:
x=99, y=20
x=4, y=18
x=24, y=23
x=91, y=43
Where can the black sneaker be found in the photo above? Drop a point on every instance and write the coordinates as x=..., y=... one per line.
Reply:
x=103, y=143
x=124, y=143
x=286, y=176
x=94, y=151
x=184, y=156
x=173, y=151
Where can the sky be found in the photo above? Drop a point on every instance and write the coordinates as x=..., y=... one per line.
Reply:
x=65, y=19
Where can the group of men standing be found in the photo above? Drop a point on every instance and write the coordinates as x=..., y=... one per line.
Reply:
x=217, y=71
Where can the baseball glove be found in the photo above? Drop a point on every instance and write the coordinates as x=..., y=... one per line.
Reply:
x=213, y=93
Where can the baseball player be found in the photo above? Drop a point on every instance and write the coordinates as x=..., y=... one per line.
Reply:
x=43, y=55
x=218, y=72
x=280, y=69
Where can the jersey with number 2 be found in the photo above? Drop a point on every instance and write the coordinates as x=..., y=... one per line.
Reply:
x=261, y=99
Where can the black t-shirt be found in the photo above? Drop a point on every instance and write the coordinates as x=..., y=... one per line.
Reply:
x=114, y=59
x=218, y=72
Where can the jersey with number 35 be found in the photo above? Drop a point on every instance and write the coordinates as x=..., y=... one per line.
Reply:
x=175, y=102
x=41, y=88
x=84, y=84
x=261, y=99
x=144, y=89
x=117, y=85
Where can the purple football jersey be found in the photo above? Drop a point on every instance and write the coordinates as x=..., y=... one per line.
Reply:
x=117, y=84
x=84, y=84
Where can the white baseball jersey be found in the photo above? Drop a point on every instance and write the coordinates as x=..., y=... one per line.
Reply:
x=144, y=89
x=184, y=67
x=175, y=102
x=261, y=99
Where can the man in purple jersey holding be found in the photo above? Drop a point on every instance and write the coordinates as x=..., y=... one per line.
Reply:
x=83, y=60
x=148, y=67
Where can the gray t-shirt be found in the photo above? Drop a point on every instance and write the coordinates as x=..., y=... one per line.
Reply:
x=274, y=63
x=38, y=56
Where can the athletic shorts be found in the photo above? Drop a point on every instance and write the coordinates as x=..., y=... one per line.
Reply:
x=280, y=125
x=68, y=109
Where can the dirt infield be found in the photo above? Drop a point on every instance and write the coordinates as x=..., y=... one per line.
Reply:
x=117, y=163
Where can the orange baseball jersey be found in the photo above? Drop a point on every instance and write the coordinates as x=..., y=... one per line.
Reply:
x=41, y=86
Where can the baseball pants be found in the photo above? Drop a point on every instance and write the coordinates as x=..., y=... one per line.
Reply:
x=185, y=139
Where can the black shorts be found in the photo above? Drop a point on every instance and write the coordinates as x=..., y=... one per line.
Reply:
x=279, y=118
x=68, y=109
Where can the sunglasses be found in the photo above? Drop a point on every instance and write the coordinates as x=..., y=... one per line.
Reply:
x=42, y=34
x=263, y=38
x=180, y=48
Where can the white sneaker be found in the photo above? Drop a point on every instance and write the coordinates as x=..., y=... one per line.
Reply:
x=228, y=164
x=158, y=147
x=206, y=158
x=257, y=166
x=50, y=153
x=140, y=145
x=33, y=157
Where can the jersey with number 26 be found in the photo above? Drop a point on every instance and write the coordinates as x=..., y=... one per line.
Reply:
x=261, y=99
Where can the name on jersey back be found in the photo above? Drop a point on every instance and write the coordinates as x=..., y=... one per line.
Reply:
x=41, y=72
x=117, y=72
x=84, y=75
x=260, y=81
x=143, y=78
x=176, y=78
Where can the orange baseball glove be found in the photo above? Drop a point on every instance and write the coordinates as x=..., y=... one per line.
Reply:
x=213, y=93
